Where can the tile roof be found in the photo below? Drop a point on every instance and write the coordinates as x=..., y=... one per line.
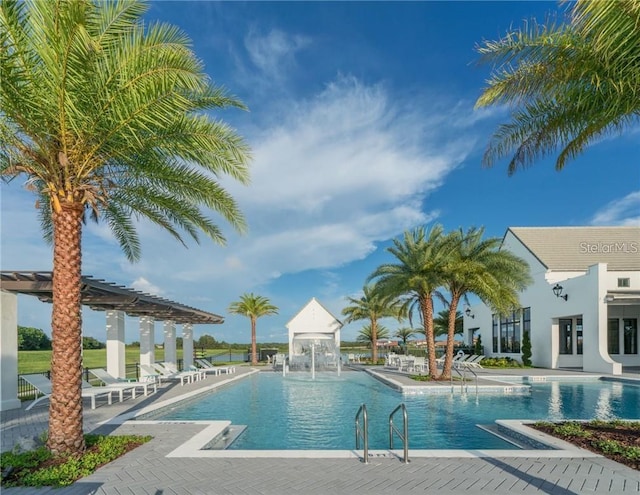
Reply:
x=577, y=248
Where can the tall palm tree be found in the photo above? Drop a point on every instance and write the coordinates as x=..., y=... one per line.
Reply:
x=416, y=277
x=107, y=118
x=372, y=306
x=480, y=267
x=441, y=323
x=403, y=334
x=253, y=307
x=368, y=335
x=569, y=84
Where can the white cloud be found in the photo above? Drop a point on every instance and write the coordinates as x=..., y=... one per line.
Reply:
x=332, y=177
x=274, y=53
x=143, y=285
x=625, y=211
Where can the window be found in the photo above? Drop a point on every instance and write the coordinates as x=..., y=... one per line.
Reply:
x=579, y=336
x=495, y=333
x=510, y=333
x=566, y=330
x=630, y=326
x=624, y=282
x=613, y=336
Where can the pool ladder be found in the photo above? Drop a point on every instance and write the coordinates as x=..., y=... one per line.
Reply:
x=362, y=431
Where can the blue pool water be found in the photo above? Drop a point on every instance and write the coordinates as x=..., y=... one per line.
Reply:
x=299, y=414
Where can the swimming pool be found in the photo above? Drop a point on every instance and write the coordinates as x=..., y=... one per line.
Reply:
x=296, y=413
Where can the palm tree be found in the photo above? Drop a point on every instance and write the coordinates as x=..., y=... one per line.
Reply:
x=107, y=118
x=416, y=277
x=480, y=267
x=370, y=336
x=569, y=84
x=403, y=334
x=253, y=307
x=441, y=323
x=372, y=306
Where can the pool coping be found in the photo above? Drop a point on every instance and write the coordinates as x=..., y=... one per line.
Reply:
x=194, y=447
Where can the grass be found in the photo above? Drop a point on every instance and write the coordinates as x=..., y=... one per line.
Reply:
x=40, y=361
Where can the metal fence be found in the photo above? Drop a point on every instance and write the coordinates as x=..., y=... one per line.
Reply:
x=132, y=371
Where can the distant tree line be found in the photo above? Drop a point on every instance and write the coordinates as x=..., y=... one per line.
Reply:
x=34, y=339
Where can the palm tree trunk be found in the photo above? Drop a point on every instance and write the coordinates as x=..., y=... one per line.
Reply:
x=426, y=306
x=374, y=341
x=451, y=332
x=254, y=356
x=65, y=409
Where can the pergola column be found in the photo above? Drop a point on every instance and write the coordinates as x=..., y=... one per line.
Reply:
x=170, y=343
x=187, y=345
x=9, y=351
x=116, y=365
x=147, y=340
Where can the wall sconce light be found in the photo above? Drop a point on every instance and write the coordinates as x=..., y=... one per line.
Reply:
x=557, y=290
x=469, y=313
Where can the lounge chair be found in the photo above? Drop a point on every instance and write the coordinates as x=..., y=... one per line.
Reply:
x=113, y=382
x=472, y=362
x=196, y=374
x=43, y=386
x=162, y=372
x=207, y=366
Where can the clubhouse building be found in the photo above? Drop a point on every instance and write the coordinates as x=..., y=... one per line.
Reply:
x=582, y=309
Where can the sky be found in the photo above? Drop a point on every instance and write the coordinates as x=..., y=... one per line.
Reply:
x=362, y=125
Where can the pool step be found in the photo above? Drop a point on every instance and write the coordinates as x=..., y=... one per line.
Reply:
x=503, y=434
x=226, y=438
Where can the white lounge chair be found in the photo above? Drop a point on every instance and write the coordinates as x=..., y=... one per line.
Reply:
x=207, y=366
x=196, y=374
x=163, y=372
x=43, y=386
x=113, y=382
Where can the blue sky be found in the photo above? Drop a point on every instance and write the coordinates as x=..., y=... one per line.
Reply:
x=362, y=126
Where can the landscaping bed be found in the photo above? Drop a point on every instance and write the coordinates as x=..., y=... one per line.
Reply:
x=616, y=440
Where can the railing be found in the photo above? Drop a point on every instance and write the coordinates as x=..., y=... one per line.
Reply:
x=363, y=432
x=404, y=436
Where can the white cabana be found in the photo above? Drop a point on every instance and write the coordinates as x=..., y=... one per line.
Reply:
x=314, y=328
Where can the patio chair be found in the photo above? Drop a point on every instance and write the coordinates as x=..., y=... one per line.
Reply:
x=473, y=361
x=43, y=386
x=196, y=374
x=171, y=375
x=419, y=364
x=149, y=373
x=114, y=382
x=279, y=361
x=206, y=365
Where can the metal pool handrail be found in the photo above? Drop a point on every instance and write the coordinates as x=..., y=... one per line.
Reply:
x=404, y=436
x=363, y=431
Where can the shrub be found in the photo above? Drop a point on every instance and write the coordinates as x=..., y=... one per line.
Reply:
x=501, y=362
x=526, y=349
x=40, y=468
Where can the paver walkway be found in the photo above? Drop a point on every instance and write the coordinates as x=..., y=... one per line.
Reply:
x=147, y=470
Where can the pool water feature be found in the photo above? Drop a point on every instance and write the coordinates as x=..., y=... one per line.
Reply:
x=298, y=413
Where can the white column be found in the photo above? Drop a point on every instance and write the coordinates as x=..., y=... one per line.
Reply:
x=9, y=351
x=115, y=344
x=187, y=344
x=170, y=356
x=147, y=340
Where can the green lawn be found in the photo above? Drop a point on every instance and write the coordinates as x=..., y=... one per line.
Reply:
x=39, y=361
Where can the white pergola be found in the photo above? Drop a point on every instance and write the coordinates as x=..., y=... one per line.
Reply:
x=117, y=301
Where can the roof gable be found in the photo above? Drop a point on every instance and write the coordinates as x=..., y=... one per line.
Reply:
x=314, y=312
